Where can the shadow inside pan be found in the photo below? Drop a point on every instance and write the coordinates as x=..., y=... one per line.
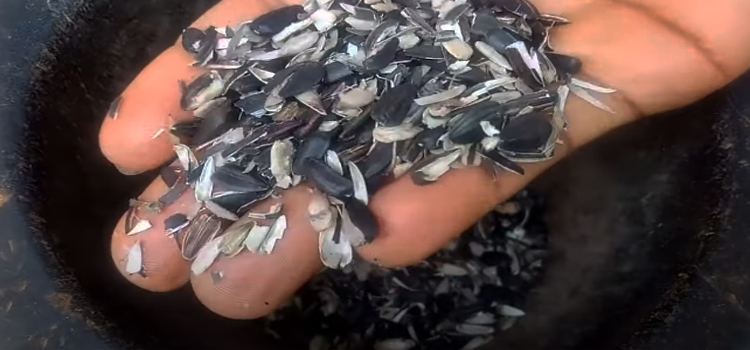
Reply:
x=626, y=213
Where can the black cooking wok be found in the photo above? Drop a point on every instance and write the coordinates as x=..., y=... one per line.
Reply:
x=650, y=226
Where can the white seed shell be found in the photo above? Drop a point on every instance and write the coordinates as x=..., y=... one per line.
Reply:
x=390, y=134
x=205, y=186
x=510, y=311
x=255, y=238
x=282, y=152
x=274, y=234
x=134, y=262
x=333, y=161
x=358, y=180
x=206, y=256
x=586, y=96
x=352, y=233
x=322, y=215
x=334, y=255
x=141, y=226
x=591, y=86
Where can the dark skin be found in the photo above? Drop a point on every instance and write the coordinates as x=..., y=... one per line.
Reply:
x=658, y=54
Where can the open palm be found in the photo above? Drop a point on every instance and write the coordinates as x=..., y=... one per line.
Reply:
x=658, y=54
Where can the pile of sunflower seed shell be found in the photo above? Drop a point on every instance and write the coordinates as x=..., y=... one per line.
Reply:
x=459, y=298
x=347, y=94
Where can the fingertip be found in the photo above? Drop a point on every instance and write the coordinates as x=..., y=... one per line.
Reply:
x=250, y=285
x=137, y=138
x=163, y=268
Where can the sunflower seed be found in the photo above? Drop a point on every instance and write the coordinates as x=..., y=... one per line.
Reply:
x=201, y=229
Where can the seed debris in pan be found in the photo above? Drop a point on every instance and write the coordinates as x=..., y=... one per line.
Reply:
x=346, y=95
x=460, y=298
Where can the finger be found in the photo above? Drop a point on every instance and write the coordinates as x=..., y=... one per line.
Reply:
x=250, y=285
x=136, y=140
x=246, y=286
x=653, y=66
x=416, y=221
x=660, y=54
x=163, y=266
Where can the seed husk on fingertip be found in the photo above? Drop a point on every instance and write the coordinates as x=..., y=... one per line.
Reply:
x=114, y=108
x=141, y=226
x=134, y=260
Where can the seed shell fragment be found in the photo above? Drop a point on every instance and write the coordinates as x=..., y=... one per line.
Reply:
x=134, y=263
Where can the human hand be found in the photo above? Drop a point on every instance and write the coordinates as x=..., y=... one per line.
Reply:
x=659, y=55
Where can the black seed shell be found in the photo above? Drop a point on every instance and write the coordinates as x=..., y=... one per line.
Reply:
x=275, y=21
x=564, y=63
x=465, y=129
x=326, y=179
x=336, y=71
x=427, y=52
x=174, y=222
x=428, y=139
x=170, y=174
x=251, y=104
x=379, y=159
x=499, y=38
x=484, y=22
x=237, y=202
x=232, y=179
x=393, y=106
x=503, y=162
x=174, y=193
x=216, y=122
x=208, y=44
x=192, y=39
x=314, y=145
x=519, y=66
x=246, y=84
x=383, y=57
x=363, y=218
x=527, y=133
x=296, y=79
